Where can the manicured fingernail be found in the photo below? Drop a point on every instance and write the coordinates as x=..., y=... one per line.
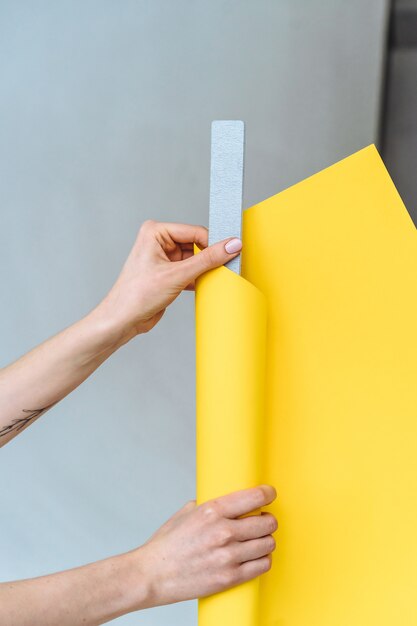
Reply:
x=232, y=246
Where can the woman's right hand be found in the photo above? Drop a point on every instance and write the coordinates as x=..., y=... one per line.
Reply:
x=207, y=548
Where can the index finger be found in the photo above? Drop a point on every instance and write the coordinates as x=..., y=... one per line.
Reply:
x=187, y=233
x=244, y=501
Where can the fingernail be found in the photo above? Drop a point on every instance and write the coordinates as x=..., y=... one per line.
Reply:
x=232, y=246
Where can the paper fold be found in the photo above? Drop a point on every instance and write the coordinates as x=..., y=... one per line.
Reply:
x=230, y=352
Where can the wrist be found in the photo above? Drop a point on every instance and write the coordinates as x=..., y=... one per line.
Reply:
x=163, y=579
x=111, y=332
x=141, y=591
x=114, y=587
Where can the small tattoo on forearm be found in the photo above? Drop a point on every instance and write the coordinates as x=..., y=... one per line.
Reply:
x=20, y=423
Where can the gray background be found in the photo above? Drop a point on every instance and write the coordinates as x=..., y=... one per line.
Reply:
x=105, y=112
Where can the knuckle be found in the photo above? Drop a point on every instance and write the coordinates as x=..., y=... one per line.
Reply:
x=271, y=543
x=224, y=534
x=226, y=556
x=226, y=578
x=238, y=577
x=269, y=526
x=210, y=510
x=209, y=257
x=148, y=225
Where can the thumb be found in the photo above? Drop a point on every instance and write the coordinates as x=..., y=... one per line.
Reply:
x=209, y=258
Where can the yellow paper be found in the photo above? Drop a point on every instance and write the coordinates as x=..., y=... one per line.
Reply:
x=231, y=340
x=335, y=431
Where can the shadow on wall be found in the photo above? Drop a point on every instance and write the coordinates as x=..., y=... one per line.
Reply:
x=399, y=127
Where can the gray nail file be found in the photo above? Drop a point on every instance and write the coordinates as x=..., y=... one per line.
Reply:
x=226, y=183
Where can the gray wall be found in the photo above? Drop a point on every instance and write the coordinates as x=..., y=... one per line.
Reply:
x=105, y=111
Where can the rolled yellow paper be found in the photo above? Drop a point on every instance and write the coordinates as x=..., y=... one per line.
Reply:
x=335, y=257
x=230, y=349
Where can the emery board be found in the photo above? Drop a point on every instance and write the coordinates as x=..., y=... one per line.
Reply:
x=226, y=183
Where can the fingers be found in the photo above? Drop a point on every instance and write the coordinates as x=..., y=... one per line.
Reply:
x=177, y=241
x=255, y=549
x=209, y=258
x=179, y=233
x=244, y=501
x=211, y=551
x=252, y=569
x=187, y=233
x=253, y=527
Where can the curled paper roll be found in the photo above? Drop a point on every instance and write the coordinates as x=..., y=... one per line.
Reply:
x=329, y=268
x=230, y=348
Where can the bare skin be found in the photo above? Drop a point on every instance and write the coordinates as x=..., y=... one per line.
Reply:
x=201, y=549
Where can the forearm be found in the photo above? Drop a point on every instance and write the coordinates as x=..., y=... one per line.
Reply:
x=160, y=265
x=199, y=551
x=88, y=595
x=46, y=374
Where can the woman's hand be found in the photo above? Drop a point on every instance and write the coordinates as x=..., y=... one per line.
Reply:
x=199, y=551
x=160, y=265
x=205, y=549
